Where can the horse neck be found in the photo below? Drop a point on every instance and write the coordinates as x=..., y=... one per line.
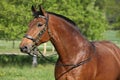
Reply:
x=70, y=45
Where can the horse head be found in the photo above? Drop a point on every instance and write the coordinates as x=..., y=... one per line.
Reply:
x=37, y=31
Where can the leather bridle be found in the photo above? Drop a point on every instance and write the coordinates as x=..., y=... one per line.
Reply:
x=36, y=40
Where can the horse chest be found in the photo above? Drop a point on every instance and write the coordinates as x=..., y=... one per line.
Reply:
x=74, y=74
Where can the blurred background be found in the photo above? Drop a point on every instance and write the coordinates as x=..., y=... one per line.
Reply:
x=97, y=20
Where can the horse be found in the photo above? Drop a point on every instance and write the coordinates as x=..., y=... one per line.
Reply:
x=79, y=58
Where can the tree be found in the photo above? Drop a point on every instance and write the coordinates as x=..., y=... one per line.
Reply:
x=12, y=18
x=113, y=14
x=15, y=15
x=90, y=19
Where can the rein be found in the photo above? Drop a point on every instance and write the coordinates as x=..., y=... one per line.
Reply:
x=36, y=52
x=76, y=65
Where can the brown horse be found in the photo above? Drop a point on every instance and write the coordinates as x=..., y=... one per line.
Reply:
x=79, y=59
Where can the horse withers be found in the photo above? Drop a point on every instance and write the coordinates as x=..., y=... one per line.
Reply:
x=79, y=59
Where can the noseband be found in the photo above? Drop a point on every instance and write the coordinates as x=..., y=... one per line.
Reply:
x=41, y=32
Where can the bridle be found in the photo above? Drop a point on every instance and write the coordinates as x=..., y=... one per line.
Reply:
x=36, y=40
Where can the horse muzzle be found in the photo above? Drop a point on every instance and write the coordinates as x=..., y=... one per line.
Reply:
x=25, y=49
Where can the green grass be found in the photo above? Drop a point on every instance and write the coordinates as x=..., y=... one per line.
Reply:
x=111, y=35
x=19, y=67
x=7, y=47
x=42, y=72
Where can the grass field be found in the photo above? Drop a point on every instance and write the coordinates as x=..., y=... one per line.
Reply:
x=7, y=47
x=42, y=72
x=112, y=36
x=19, y=67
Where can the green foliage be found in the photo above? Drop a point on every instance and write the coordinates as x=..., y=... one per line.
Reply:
x=113, y=11
x=15, y=15
x=116, y=26
x=90, y=19
x=113, y=14
x=23, y=60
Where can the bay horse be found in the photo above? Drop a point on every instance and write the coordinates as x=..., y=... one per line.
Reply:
x=79, y=59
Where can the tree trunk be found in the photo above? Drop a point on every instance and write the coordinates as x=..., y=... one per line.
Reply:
x=13, y=42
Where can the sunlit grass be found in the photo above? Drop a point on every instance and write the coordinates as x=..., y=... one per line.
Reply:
x=42, y=72
x=7, y=47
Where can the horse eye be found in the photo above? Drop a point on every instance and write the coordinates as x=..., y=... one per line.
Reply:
x=39, y=25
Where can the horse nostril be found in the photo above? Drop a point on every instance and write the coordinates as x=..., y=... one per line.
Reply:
x=23, y=49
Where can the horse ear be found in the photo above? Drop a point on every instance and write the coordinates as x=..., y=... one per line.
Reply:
x=33, y=9
x=42, y=11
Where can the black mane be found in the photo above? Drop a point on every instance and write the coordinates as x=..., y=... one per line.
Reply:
x=67, y=19
x=36, y=15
